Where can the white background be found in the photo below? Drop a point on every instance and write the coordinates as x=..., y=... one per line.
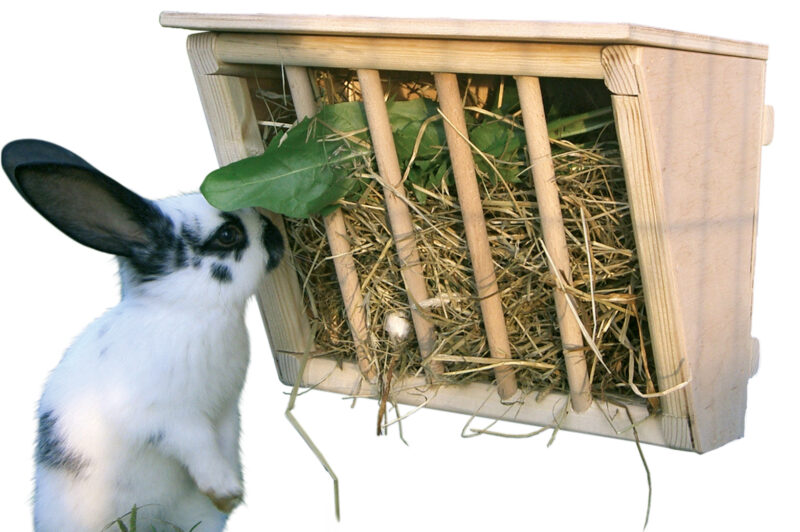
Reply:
x=112, y=85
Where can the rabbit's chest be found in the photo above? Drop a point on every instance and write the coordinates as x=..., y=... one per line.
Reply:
x=210, y=363
x=169, y=359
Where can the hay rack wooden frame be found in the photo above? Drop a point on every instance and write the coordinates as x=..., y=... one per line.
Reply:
x=690, y=118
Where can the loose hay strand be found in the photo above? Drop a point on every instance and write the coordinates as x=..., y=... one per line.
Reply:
x=646, y=468
x=299, y=428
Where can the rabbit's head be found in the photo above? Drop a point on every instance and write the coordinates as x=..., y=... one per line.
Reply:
x=179, y=249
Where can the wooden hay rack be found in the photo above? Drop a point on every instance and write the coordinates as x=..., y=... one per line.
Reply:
x=690, y=120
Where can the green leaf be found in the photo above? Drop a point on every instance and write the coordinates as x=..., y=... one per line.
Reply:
x=510, y=102
x=298, y=175
x=497, y=138
x=406, y=118
x=417, y=177
x=441, y=172
x=344, y=117
x=571, y=126
x=316, y=163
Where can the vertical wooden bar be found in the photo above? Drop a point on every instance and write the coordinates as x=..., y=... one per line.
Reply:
x=544, y=182
x=475, y=228
x=397, y=210
x=336, y=232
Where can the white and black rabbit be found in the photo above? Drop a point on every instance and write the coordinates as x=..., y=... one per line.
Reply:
x=144, y=406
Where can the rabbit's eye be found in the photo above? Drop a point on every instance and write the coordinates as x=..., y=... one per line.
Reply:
x=229, y=238
x=229, y=235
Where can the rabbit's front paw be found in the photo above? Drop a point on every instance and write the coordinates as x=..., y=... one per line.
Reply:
x=224, y=503
x=223, y=487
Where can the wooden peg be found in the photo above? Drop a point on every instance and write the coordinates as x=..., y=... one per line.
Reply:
x=544, y=181
x=399, y=215
x=305, y=105
x=475, y=228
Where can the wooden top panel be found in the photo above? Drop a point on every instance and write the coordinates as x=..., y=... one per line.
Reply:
x=499, y=30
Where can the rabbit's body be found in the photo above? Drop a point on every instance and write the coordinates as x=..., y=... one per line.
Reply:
x=104, y=414
x=143, y=407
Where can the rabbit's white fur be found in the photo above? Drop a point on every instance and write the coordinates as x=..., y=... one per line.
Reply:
x=143, y=407
x=147, y=399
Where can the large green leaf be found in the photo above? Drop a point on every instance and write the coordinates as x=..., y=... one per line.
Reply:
x=316, y=162
x=298, y=177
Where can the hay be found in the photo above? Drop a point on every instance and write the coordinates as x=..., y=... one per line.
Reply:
x=607, y=289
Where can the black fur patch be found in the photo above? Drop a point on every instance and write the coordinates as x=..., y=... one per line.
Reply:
x=181, y=254
x=273, y=242
x=192, y=241
x=155, y=439
x=191, y=236
x=221, y=273
x=50, y=449
x=163, y=253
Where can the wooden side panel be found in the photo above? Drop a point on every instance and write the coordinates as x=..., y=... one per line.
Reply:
x=235, y=134
x=704, y=114
x=645, y=194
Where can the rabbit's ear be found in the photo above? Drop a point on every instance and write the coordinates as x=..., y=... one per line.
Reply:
x=85, y=204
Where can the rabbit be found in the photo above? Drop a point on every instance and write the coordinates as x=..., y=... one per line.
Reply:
x=143, y=408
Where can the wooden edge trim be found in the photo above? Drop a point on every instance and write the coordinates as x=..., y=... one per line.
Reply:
x=424, y=55
x=755, y=357
x=235, y=135
x=603, y=418
x=642, y=178
x=479, y=30
x=768, y=126
x=619, y=67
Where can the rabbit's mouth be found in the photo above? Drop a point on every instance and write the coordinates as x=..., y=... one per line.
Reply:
x=273, y=242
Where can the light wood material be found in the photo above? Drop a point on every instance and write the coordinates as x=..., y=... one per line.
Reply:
x=645, y=196
x=484, y=30
x=397, y=210
x=535, y=59
x=480, y=253
x=709, y=144
x=350, y=287
x=481, y=399
x=549, y=205
x=620, y=64
x=234, y=132
x=302, y=91
x=336, y=233
x=694, y=202
x=768, y=129
x=690, y=127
